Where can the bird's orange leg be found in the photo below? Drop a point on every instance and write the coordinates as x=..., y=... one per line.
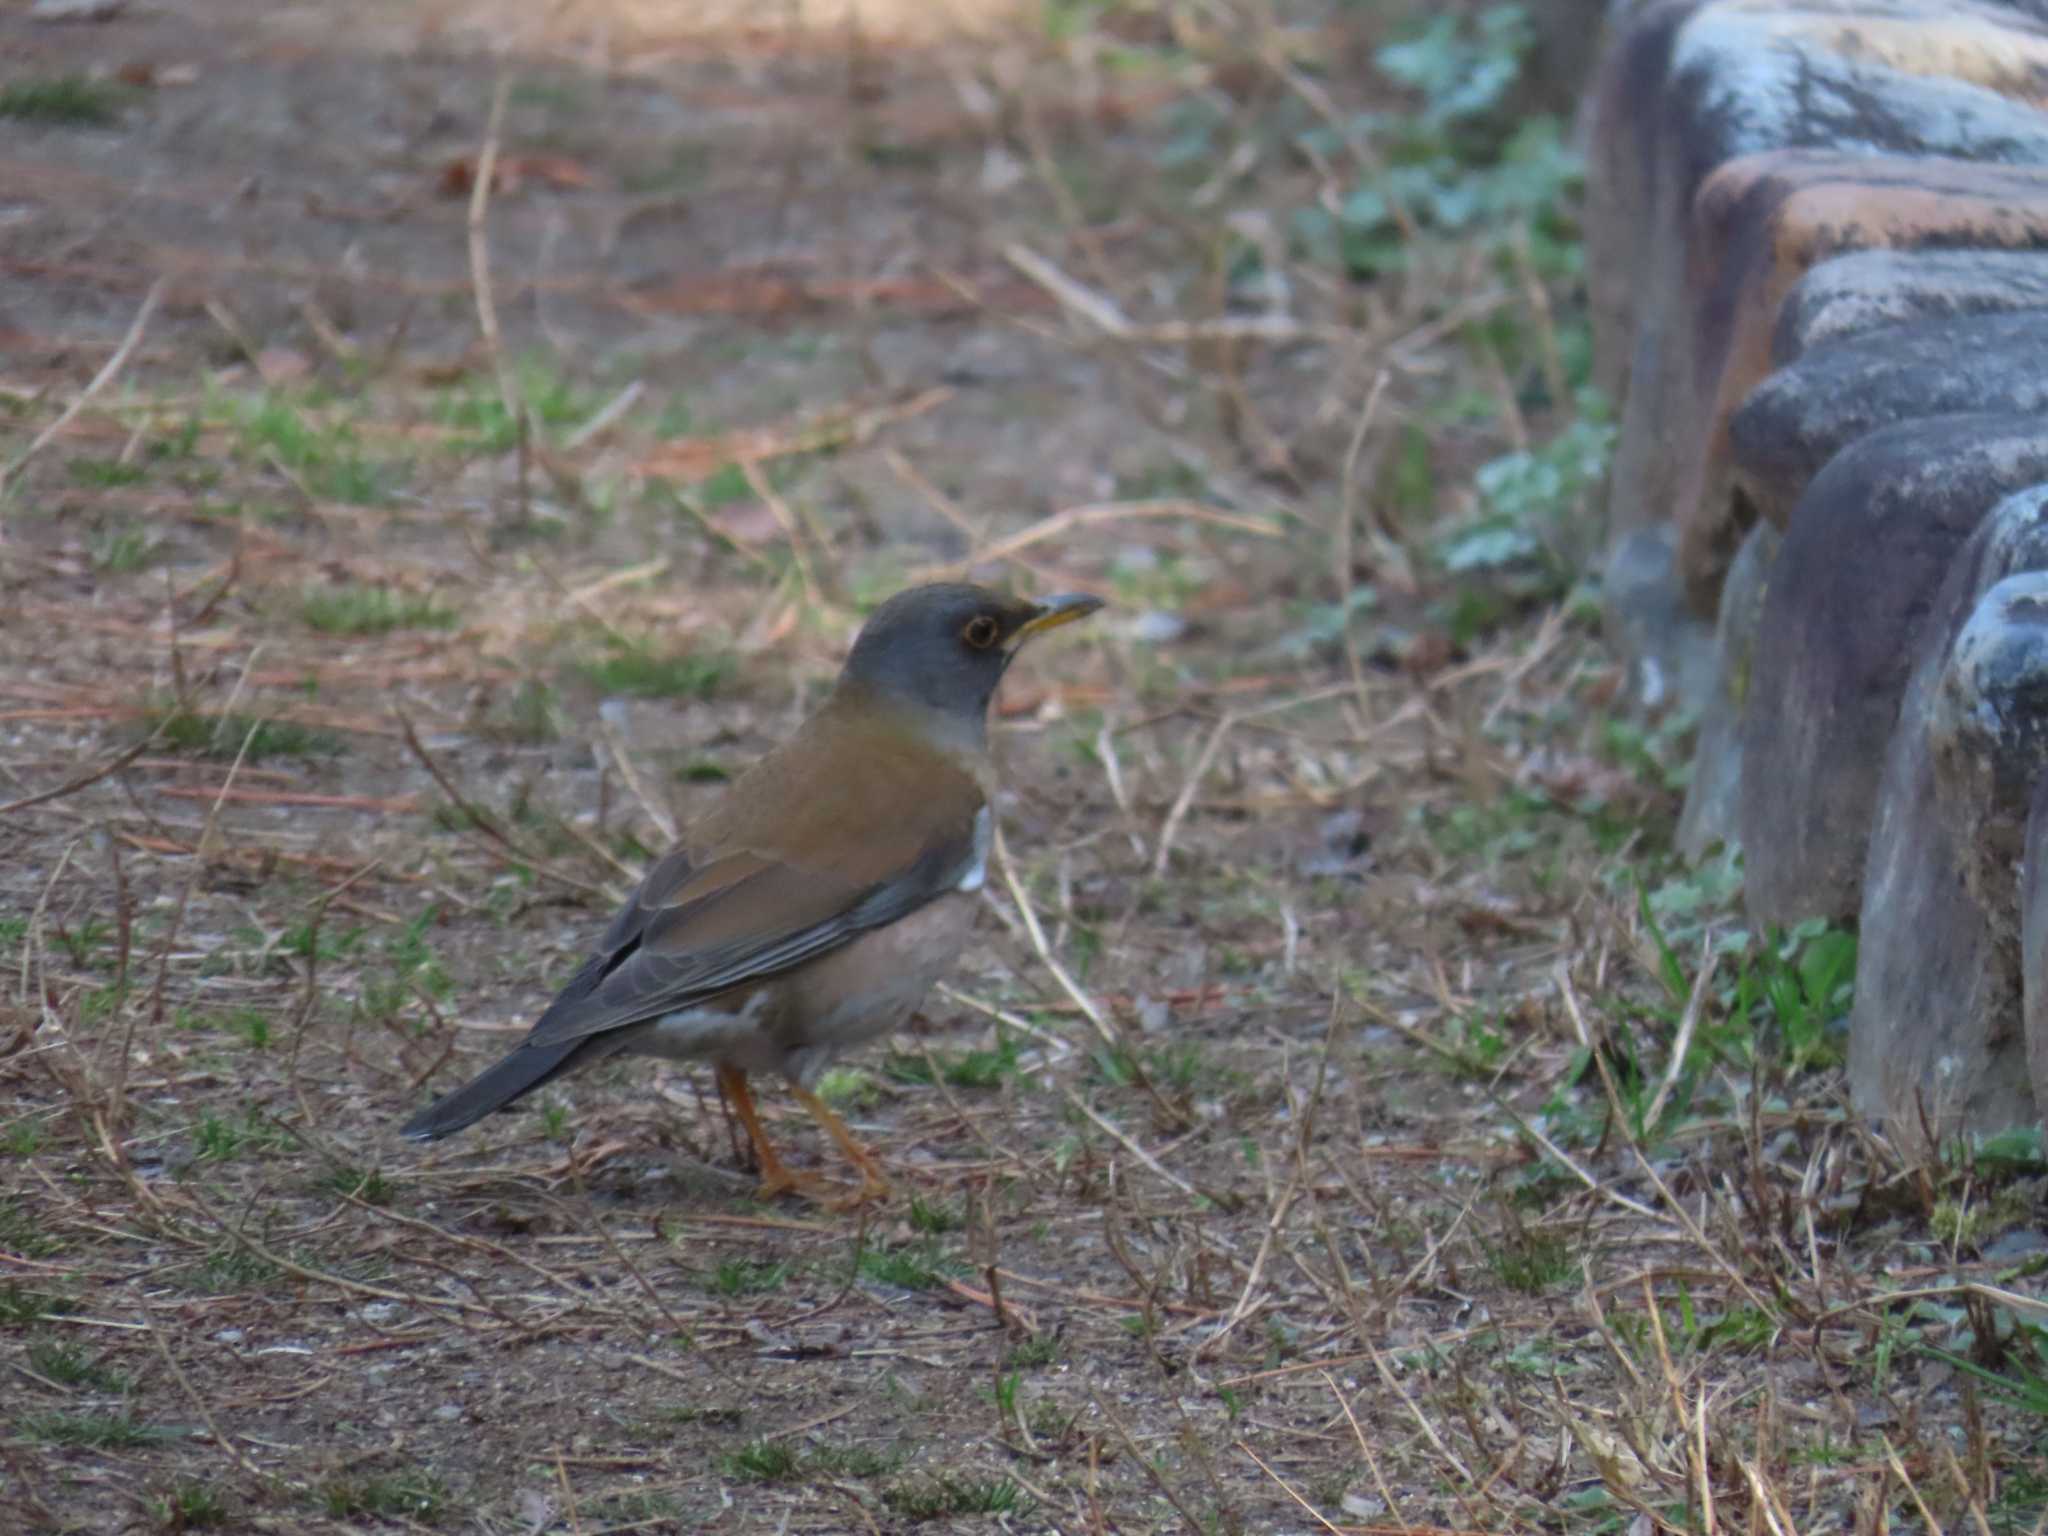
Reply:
x=776, y=1179
x=873, y=1185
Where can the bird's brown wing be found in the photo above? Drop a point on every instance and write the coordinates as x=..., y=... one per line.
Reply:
x=810, y=851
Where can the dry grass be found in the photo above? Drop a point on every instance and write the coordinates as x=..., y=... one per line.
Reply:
x=1350, y=1117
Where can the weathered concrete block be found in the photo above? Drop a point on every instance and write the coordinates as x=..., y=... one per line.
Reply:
x=1684, y=86
x=1854, y=295
x=1936, y=1041
x=2034, y=942
x=1807, y=412
x=1713, y=800
x=1868, y=546
x=1758, y=225
x=1619, y=127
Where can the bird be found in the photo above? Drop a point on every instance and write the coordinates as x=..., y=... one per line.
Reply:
x=815, y=904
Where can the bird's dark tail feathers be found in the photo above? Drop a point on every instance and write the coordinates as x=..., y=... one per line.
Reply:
x=524, y=1070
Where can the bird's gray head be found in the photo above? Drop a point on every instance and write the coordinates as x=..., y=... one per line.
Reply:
x=944, y=647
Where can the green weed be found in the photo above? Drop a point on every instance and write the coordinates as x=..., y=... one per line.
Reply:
x=190, y=1507
x=764, y=1461
x=70, y=1366
x=72, y=100
x=1531, y=1260
x=634, y=669
x=21, y=1233
x=18, y=1305
x=530, y=715
x=778, y=1461
x=106, y=474
x=124, y=550
x=186, y=730
x=407, y=1495
x=1454, y=167
x=219, y=1140
x=359, y=610
x=943, y=1495
x=251, y=1025
x=916, y=1267
x=97, y=1431
x=979, y=1068
x=1032, y=1353
x=83, y=942
x=747, y=1277
x=411, y=966
x=325, y=459
x=932, y=1218
x=364, y=1184
x=231, y=1268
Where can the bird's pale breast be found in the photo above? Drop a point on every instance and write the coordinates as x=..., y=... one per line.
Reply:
x=869, y=987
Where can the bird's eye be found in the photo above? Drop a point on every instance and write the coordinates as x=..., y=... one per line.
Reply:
x=981, y=632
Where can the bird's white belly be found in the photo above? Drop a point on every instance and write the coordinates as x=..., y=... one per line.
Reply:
x=797, y=1023
x=736, y=1034
x=871, y=986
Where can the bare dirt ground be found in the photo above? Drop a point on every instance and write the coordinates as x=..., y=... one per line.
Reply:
x=1348, y=1116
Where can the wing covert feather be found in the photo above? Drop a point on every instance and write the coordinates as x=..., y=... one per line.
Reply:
x=807, y=851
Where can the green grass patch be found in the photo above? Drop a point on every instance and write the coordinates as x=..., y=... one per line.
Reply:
x=407, y=1495
x=250, y=1025
x=186, y=730
x=72, y=100
x=1531, y=1260
x=217, y=1139
x=778, y=1461
x=106, y=474
x=945, y=1495
x=979, y=1068
x=635, y=669
x=190, y=1507
x=362, y=610
x=364, y=1184
x=1032, y=1354
x=931, y=1218
x=19, y=1305
x=914, y=1267
x=122, y=551
x=529, y=715
x=96, y=1431
x=746, y=1277
x=229, y=1269
x=325, y=459
x=21, y=1233
x=70, y=1366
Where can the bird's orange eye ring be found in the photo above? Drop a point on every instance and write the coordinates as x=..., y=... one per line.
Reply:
x=981, y=632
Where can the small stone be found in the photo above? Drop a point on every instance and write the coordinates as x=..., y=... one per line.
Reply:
x=77, y=10
x=1155, y=626
x=2013, y=1246
x=1668, y=647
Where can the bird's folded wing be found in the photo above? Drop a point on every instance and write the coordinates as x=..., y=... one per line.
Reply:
x=693, y=931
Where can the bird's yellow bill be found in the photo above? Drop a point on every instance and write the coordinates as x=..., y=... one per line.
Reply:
x=1055, y=611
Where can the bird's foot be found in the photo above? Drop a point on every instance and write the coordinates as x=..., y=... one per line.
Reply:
x=820, y=1190
x=777, y=1181
x=873, y=1189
